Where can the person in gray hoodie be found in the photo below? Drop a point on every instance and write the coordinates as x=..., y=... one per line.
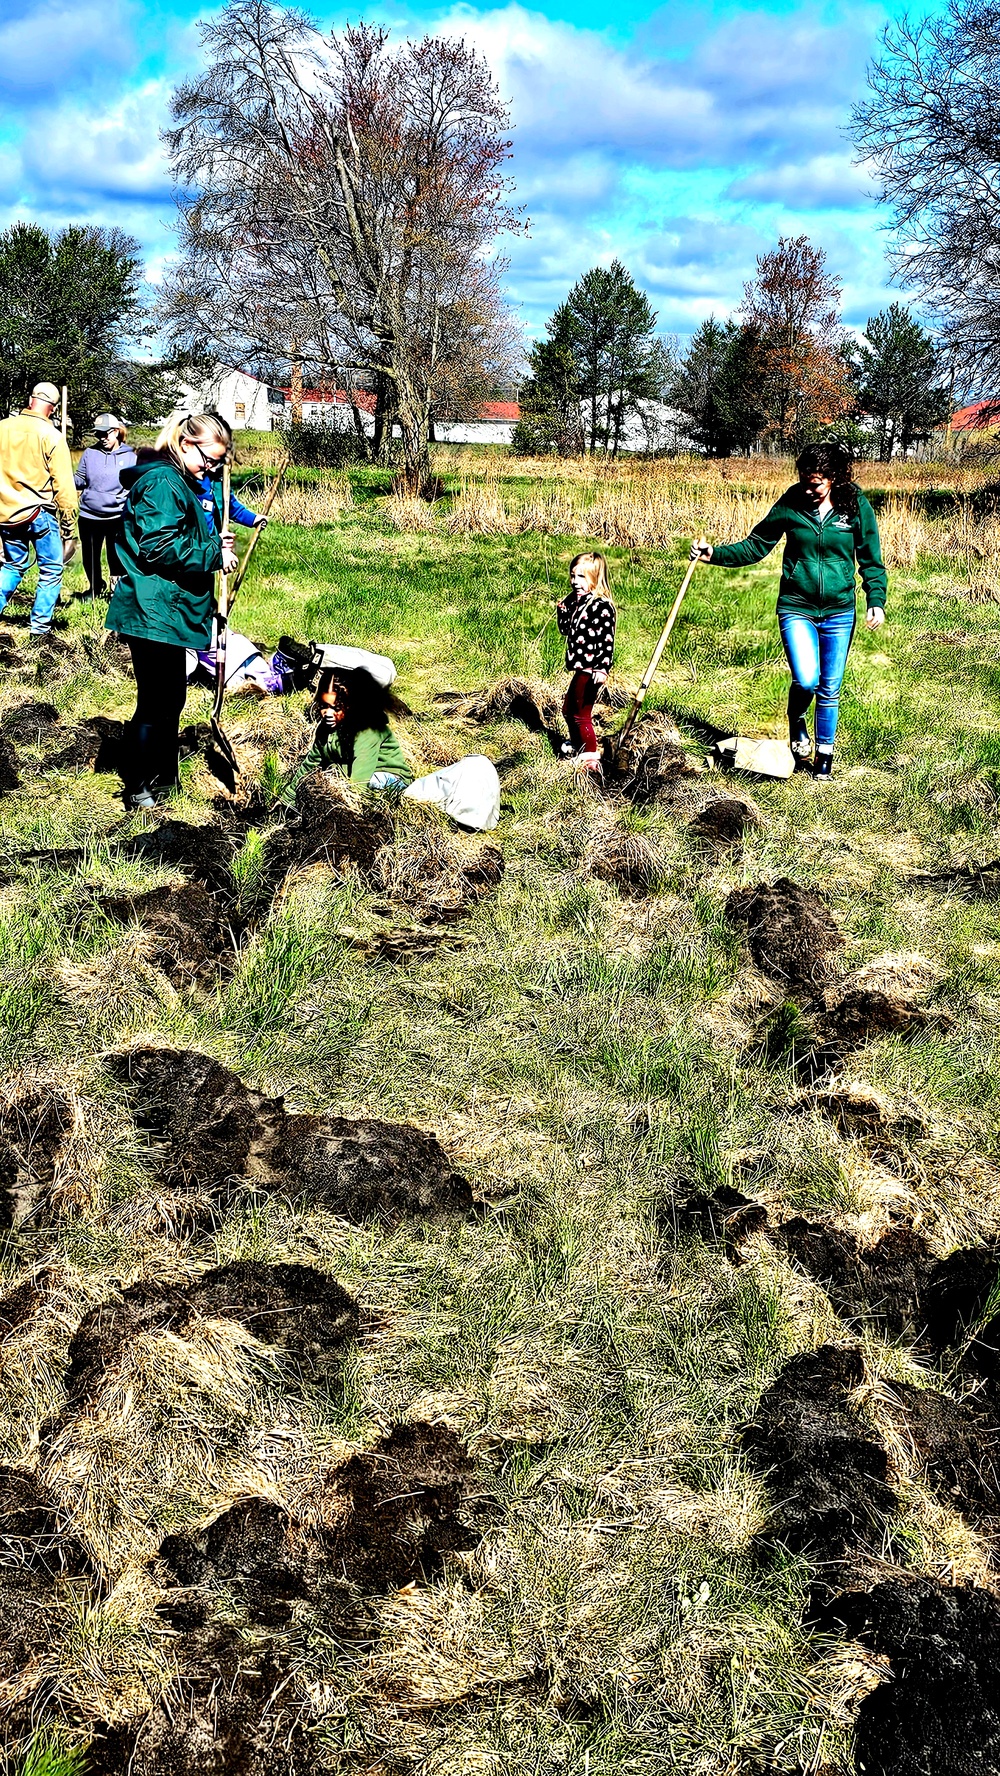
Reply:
x=102, y=499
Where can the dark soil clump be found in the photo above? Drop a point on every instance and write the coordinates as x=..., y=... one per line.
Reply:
x=726, y=1216
x=191, y=935
x=792, y=934
x=33, y=1131
x=10, y=778
x=404, y=1497
x=27, y=724
x=654, y=775
x=291, y=1305
x=208, y=1120
x=864, y=1014
x=365, y=1167
x=883, y=1281
x=957, y=1292
x=958, y=1445
x=83, y=746
x=724, y=821
x=332, y=827
x=19, y=1306
x=852, y=1113
x=104, y=1332
x=826, y=1472
x=940, y=1709
x=512, y=699
x=239, y=1716
x=203, y=852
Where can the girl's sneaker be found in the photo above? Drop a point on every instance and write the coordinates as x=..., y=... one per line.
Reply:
x=589, y=761
x=567, y=750
x=823, y=766
x=140, y=798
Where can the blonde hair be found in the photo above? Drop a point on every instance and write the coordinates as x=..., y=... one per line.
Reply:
x=192, y=427
x=595, y=566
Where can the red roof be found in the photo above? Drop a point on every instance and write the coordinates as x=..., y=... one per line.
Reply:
x=976, y=417
x=500, y=410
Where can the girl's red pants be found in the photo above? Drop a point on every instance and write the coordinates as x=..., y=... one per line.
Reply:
x=578, y=703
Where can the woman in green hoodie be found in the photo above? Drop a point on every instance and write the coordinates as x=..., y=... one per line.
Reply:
x=830, y=537
x=164, y=601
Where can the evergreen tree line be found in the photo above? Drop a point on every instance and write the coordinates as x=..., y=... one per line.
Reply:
x=782, y=373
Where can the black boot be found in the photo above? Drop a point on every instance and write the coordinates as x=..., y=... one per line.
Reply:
x=823, y=765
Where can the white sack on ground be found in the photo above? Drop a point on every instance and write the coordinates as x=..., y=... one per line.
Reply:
x=352, y=659
x=468, y=792
x=763, y=758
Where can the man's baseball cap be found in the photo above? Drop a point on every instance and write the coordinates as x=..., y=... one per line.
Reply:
x=106, y=422
x=46, y=391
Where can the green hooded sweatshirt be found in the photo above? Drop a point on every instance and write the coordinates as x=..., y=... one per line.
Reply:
x=374, y=749
x=169, y=558
x=823, y=556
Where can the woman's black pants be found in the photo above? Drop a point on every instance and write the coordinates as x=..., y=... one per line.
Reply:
x=151, y=741
x=96, y=534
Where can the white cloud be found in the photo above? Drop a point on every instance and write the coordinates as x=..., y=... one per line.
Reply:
x=113, y=155
x=45, y=48
x=827, y=181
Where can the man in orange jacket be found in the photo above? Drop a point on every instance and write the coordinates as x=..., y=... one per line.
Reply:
x=36, y=491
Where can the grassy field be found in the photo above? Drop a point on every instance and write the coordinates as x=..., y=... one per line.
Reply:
x=593, y=1567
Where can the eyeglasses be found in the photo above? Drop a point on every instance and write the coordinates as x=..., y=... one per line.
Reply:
x=208, y=462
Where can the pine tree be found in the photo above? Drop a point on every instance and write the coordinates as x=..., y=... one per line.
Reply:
x=899, y=380
x=719, y=387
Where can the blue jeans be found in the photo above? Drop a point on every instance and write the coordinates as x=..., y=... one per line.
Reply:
x=45, y=537
x=816, y=649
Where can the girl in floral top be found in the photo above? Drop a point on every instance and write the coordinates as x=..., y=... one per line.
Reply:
x=587, y=617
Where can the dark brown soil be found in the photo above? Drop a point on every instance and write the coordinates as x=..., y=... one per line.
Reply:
x=9, y=775
x=513, y=699
x=291, y=1305
x=236, y=1715
x=27, y=724
x=724, y=821
x=191, y=935
x=938, y=1714
x=19, y=1306
x=85, y=745
x=792, y=934
x=213, y=1130
x=398, y=1508
x=208, y=1121
x=957, y=1292
x=852, y=1113
x=826, y=1472
x=726, y=1216
x=365, y=1167
x=864, y=1014
x=653, y=775
x=958, y=1445
x=330, y=827
x=33, y=1130
x=882, y=1281
x=204, y=853
x=105, y=1332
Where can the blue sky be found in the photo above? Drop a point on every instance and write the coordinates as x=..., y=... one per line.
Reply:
x=681, y=139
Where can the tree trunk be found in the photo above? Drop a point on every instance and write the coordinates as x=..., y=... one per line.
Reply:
x=385, y=412
x=413, y=415
x=296, y=388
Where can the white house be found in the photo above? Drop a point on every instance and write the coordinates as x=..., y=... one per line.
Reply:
x=241, y=399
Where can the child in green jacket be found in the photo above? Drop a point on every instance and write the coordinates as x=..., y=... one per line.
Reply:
x=353, y=737
x=831, y=535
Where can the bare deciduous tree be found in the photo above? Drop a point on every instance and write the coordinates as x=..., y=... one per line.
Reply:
x=344, y=194
x=932, y=130
x=793, y=306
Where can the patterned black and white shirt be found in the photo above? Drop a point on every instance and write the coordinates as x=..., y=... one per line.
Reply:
x=588, y=622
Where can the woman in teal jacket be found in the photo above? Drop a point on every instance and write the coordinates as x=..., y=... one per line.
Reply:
x=830, y=536
x=164, y=601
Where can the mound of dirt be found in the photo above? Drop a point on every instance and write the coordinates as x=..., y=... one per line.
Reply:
x=884, y=1281
x=792, y=934
x=866, y=1013
x=209, y=1122
x=27, y=724
x=291, y=1305
x=854, y=1113
x=629, y=860
x=240, y=1717
x=958, y=1445
x=402, y=1502
x=87, y=744
x=105, y=1332
x=190, y=933
x=725, y=1216
x=512, y=699
x=20, y=1305
x=724, y=821
x=940, y=1709
x=34, y=1127
x=10, y=778
x=365, y=1167
x=960, y=1291
x=826, y=1473
x=654, y=775
x=202, y=852
x=335, y=824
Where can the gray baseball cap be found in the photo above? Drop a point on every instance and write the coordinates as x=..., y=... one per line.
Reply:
x=106, y=422
x=46, y=391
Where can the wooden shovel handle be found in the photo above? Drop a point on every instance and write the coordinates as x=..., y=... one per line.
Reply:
x=647, y=677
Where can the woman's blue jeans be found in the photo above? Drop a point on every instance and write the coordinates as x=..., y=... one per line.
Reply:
x=816, y=649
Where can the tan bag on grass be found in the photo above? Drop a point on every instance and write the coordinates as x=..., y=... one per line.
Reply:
x=761, y=758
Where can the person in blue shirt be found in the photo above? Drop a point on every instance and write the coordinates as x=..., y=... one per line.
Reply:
x=238, y=512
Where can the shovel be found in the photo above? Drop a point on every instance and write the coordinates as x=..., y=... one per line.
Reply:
x=240, y=574
x=647, y=677
x=224, y=755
